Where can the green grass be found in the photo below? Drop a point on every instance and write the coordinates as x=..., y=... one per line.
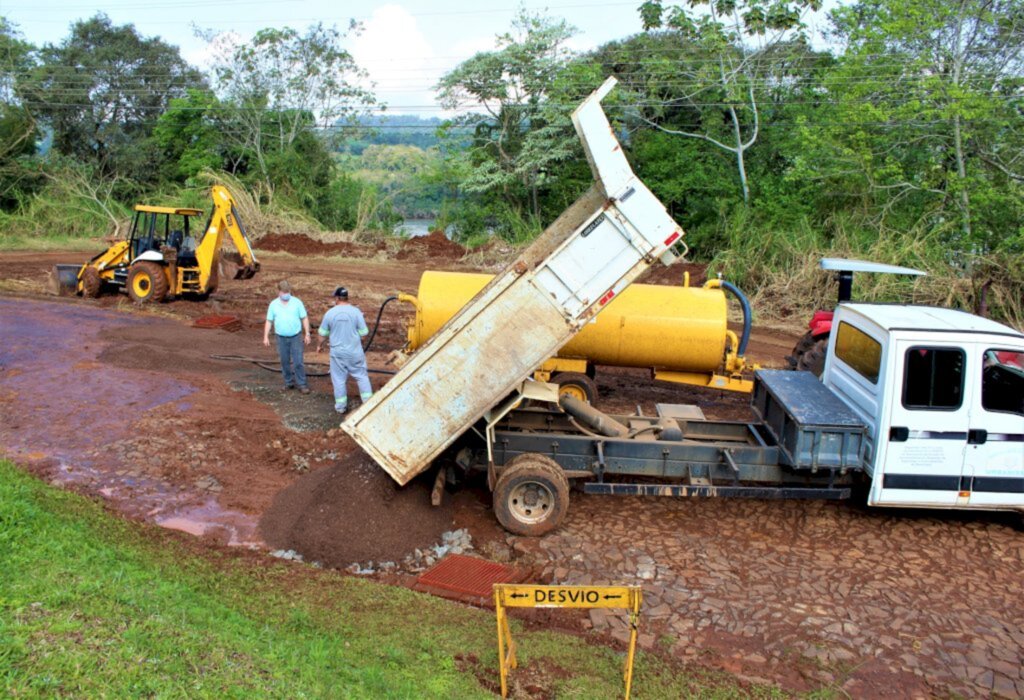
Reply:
x=92, y=605
x=55, y=242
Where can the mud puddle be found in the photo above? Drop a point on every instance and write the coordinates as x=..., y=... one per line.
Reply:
x=64, y=414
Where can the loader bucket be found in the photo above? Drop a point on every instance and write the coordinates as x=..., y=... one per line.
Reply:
x=63, y=280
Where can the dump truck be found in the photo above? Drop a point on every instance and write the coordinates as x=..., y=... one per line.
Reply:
x=679, y=332
x=166, y=254
x=585, y=259
x=922, y=406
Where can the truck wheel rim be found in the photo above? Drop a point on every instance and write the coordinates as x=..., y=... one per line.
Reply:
x=573, y=390
x=141, y=285
x=531, y=502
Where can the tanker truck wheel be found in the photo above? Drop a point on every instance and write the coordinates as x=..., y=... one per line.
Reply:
x=531, y=497
x=92, y=283
x=577, y=385
x=809, y=354
x=147, y=283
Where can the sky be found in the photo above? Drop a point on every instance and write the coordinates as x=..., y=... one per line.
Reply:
x=405, y=46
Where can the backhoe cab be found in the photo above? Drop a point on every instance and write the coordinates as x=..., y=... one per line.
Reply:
x=167, y=254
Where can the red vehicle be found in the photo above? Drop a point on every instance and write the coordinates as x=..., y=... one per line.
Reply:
x=809, y=352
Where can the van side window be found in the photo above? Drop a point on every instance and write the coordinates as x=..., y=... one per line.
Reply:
x=860, y=351
x=1002, y=381
x=933, y=378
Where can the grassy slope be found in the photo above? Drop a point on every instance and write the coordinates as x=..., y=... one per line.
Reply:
x=92, y=605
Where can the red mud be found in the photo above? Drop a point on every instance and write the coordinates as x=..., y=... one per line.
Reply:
x=354, y=512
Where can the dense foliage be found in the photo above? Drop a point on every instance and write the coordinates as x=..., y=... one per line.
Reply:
x=908, y=128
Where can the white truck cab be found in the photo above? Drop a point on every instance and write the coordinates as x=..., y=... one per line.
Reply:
x=942, y=394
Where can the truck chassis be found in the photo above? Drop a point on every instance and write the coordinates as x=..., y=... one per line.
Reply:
x=804, y=446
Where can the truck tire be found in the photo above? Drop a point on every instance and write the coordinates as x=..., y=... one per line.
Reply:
x=92, y=283
x=531, y=497
x=147, y=283
x=577, y=385
x=809, y=354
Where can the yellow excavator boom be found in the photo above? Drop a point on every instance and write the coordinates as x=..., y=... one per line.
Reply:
x=224, y=219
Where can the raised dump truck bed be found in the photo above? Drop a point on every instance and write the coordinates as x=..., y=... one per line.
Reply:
x=582, y=261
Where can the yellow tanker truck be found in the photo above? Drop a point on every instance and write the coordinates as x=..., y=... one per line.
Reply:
x=679, y=332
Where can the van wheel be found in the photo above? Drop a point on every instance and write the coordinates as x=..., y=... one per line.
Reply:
x=531, y=497
x=809, y=354
x=577, y=385
x=147, y=283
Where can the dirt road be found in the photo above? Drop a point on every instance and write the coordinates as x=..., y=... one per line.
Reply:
x=126, y=404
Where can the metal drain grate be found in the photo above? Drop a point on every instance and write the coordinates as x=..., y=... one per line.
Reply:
x=226, y=323
x=466, y=577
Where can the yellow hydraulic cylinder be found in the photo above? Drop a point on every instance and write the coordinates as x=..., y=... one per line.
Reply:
x=680, y=329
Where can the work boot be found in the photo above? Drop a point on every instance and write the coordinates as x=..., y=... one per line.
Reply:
x=303, y=389
x=288, y=387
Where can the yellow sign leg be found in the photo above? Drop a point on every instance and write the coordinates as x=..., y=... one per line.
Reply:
x=634, y=619
x=502, y=668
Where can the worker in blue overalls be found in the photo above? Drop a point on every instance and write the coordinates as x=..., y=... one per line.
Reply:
x=344, y=326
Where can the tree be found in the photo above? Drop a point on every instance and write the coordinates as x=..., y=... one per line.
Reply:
x=17, y=128
x=190, y=136
x=927, y=113
x=101, y=90
x=282, y=86
x=515, y=142
x=734, y=49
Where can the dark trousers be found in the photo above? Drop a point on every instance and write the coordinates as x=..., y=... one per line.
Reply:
x=289, y=348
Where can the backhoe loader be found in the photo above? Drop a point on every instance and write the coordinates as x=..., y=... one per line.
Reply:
x=164, y=255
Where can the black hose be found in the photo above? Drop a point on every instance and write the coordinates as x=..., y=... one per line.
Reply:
x=376, y=325
x=747, y=320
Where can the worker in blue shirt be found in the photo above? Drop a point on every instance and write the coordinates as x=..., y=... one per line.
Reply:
x=287, y=316
x=344, y=326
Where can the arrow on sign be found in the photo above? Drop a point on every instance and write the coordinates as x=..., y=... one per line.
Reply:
x=612, y=597
x=520, y=595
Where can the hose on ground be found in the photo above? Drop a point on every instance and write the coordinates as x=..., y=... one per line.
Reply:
x=272, y=366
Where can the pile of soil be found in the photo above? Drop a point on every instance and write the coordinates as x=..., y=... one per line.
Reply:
x=301, y=244
x=434, y=245
x=354, y=512
x=672, y=275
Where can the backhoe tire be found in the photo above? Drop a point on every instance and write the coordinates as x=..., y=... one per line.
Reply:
x=809, y=354
x=577, y=385
x=92, y=283
x=147, y=283
x=531, y=497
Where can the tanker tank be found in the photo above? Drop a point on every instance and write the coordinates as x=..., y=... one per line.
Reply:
x=678, y=332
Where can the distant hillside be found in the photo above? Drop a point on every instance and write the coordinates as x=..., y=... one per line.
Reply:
x=395, y=130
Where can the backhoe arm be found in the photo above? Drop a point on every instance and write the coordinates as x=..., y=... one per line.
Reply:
x=224, y=219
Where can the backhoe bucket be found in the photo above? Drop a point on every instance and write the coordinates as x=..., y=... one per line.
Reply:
x=63, y=280
x=232, y=265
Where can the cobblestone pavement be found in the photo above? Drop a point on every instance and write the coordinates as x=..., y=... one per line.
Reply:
x=877, y=603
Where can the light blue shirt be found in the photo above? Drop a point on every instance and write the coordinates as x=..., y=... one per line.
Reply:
x=345, y=326
x=286, y=316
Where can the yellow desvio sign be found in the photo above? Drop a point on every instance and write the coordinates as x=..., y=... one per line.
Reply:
x=509, y=595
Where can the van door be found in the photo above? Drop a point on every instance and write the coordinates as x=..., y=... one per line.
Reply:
x=994, y=461
x=929, y=418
